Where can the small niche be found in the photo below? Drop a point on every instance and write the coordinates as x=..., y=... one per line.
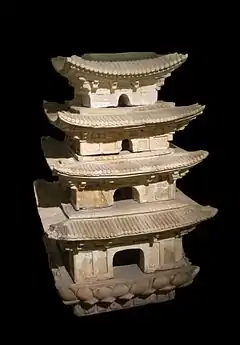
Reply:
x=128, y=264
x=124, y=101
x=127, y=145
x=129, y=257
x=126, y=193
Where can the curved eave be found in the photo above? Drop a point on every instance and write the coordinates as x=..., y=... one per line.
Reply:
x=173, y=220
x=131, y=168
x=159, y=65
x=135, y=117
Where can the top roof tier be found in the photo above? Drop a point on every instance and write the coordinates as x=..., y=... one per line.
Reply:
x=121, y=65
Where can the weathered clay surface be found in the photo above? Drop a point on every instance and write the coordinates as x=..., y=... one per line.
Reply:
x=148, y=223
x=144, y=128
x=123, y=117
x=115, y=294
x=114, y=221
x=134, y=79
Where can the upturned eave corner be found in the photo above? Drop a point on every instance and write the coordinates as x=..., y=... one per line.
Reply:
x=115, y=219
x=157, y=114
x=128, y=67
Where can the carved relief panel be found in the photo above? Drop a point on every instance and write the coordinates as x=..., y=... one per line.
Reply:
x=103, y=99
x=84, y=148
x=89, y=265
x=145, y=95
x=171, y=252
x=159, y=142
x=157, y=191
x=140, y=145
x=93, y=199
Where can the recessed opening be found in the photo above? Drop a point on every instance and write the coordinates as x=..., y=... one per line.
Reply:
x=126, y=145
x=129, y=257
x=123, y=101
x=126, y=193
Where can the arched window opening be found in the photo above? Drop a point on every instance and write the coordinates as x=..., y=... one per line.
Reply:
x=124, y=101
x=126, y=145
x=125, y=193
x=129, y=257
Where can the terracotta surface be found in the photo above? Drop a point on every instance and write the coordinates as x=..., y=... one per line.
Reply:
x=114, y=222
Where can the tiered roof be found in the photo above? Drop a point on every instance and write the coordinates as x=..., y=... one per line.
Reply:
x=117, y=166
x=172, y=216
x=176, y=219
x=122, y=65
x=159, y=113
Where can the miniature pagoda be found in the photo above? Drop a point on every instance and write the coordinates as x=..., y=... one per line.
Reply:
x=114, y=221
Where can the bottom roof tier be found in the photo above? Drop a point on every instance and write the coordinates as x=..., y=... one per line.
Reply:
x=163, y=216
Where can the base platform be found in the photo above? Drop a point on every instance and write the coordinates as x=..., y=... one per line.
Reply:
x=129, y=288
x=82, y=310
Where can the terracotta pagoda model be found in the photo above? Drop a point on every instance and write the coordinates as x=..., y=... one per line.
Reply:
x=114, y=222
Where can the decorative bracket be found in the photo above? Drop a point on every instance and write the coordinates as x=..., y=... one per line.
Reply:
x=113, y=86
x=82, y=185
x=159, y=84
x=151, y=241
x=161, y=81
x=80, y=246
x=151, y=179
x=86, y=85
x=174, y=176
x=94, y=85
x=108, y=245
x=183, y=173
x=84, y=135
x=67, y=249
x=135, y=85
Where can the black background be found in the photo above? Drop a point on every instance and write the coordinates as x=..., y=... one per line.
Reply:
x=200, y=79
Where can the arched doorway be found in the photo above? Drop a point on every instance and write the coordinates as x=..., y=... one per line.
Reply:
x=126, y=193
x=129, y=257
x=123, y=101
x=127, y=145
